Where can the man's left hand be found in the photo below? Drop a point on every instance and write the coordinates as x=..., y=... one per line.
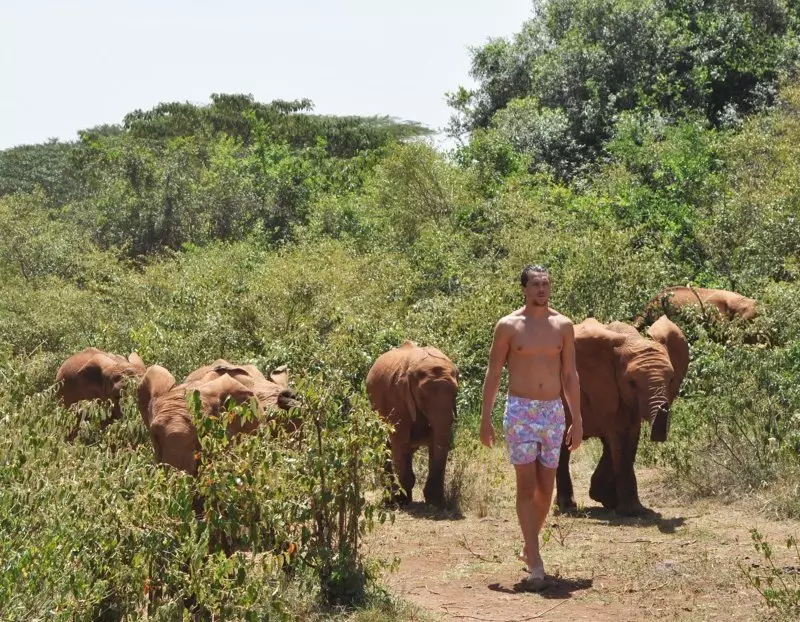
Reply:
x=574, y=436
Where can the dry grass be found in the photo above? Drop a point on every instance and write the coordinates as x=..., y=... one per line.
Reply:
x=682, y=563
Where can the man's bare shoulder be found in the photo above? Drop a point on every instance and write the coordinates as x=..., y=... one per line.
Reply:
x=512, y=318
x=508, y=325
x=564, y=325
x=561, y=320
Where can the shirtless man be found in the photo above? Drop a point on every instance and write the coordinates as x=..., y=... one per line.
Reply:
x=538, y=344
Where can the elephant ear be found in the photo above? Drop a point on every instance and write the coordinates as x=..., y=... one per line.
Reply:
x=280, y=376
x=156, y=382
x=91, y=373
x=667, y=333
x=221, y=366
x=137, y=362
x=597, y=364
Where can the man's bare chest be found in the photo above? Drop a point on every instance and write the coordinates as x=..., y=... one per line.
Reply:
x=537, y=340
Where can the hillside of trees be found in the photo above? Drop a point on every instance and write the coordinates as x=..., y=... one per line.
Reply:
x=625, y=145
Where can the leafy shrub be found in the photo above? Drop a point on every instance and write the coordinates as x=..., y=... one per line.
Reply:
x=137, y=539
x=778, y=586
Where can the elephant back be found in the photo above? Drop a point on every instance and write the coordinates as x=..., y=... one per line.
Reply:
x=395, y=379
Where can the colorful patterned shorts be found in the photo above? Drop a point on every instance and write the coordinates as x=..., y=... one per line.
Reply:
x=534, y=429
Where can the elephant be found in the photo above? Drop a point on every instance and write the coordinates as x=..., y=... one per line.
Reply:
x=165, y=413
x=625, y=378
x=274, y=391
x=414, y=388
x=93, y=374
x=730, y=305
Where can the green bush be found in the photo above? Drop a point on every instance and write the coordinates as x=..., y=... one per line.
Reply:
x=778, y=586
x=95, y=530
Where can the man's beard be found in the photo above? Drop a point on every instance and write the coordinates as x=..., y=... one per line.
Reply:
x=535, y=302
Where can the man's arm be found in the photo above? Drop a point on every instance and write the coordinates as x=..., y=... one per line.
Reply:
x=491, y=383
x=572, y=388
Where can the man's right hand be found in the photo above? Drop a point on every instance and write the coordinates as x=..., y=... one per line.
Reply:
x=487, y=432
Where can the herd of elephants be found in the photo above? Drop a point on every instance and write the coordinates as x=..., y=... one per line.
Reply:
x=625, y=378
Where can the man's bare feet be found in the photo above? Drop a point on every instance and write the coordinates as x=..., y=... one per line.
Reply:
x=535, y=571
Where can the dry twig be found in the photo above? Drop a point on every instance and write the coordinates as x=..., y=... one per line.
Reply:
x=463, y=542
x=533, y=617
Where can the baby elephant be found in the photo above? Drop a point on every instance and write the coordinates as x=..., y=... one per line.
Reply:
x=415, y=389
x=164, y=409
x=92, y=374
x=626, y=379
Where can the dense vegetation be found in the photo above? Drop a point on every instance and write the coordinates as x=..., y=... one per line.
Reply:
x=626, y=145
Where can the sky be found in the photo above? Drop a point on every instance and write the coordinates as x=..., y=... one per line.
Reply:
x=67, y=66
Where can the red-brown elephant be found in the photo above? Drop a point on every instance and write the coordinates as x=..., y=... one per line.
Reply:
x=625, y=379
x=164, y=409
x=414, y=388
x=729, y=305
x=92, y=374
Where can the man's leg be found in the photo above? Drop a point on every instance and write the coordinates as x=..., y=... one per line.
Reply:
x=526, y=491
x=542, y=500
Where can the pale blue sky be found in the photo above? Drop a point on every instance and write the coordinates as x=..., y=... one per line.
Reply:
x=71, y=64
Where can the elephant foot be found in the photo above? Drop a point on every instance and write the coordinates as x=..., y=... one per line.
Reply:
x=603, y=494
x=396, y=501
x=631, y=508
x=401, y=498
x=434, y=495
x=607, y=501
x=567, y=505
x=435, y=500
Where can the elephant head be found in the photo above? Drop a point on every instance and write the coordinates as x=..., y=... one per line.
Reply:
x=92, y=374
x=156, y=382
x=644, y=377
x=270, y=393
x=621, y=370
x=741, y=306
x=165, y=412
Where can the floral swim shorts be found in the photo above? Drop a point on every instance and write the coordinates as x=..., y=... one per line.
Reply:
x=534, y=429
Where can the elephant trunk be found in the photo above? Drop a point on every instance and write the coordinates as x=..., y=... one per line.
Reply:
x=287, y=399
x=657, y=409
x=659, y=425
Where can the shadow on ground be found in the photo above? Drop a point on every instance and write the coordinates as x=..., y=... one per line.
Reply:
x=650, y=518
x=552, y=587
x=420, y=509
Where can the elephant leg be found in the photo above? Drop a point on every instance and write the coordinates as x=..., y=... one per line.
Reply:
x=564, y=492
x=438, y=450
x=603, y=486
x=401, y=462
x=73, y=433
x=627, y=490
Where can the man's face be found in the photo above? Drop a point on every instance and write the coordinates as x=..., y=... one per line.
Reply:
x=537, y=290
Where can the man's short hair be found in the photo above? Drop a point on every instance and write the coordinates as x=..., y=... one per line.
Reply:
x=530, y=271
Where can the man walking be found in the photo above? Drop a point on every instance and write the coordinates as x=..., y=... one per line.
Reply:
x=538, y=345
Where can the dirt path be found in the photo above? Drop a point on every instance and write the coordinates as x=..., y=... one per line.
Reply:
x=680, y=564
